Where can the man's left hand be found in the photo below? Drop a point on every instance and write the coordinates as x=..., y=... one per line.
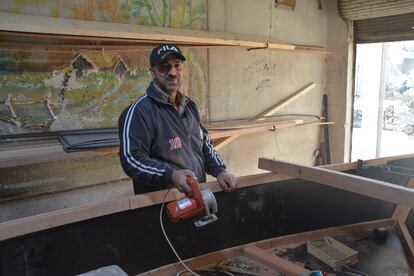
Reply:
x=227, y=181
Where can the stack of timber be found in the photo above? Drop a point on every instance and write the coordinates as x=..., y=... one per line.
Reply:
x=267, y=217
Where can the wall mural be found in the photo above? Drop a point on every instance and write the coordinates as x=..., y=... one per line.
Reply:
x=46, y=90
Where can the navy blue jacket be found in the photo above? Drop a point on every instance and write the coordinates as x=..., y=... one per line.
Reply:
x=156, y=138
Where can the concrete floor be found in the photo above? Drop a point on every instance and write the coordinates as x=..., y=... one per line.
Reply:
x=377, y=258
x=374, y=258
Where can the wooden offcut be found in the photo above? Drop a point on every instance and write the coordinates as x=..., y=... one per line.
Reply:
x=275, y=262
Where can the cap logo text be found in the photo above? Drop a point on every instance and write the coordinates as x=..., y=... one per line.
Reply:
x=167, y=48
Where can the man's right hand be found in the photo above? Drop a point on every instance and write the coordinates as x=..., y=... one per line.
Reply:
x=179, y=180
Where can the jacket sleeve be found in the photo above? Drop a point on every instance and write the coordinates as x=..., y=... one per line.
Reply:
x=213, y=164
x=135, y=133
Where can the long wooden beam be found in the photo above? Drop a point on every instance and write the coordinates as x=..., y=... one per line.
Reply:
x=357, y=184
x=19, y=23
x=22, y=226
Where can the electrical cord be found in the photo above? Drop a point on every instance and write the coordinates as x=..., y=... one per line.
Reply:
x=168, y=240
x=206, y=270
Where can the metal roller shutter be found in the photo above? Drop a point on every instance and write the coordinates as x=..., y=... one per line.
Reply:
x=385, y=29
x=364, y=9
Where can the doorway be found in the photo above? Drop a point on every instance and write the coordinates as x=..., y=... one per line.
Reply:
x=383, y=111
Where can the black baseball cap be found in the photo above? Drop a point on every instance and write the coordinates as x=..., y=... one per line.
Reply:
x=159, y=53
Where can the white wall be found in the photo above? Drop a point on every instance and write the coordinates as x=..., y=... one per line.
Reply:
x=339, y=83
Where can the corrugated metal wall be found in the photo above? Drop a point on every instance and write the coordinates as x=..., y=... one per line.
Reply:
x=364, y=9
x=384, y=29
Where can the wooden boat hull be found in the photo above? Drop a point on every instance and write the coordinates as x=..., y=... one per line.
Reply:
x=133, y=239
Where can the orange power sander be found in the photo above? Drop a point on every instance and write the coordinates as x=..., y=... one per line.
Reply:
x=200, y=204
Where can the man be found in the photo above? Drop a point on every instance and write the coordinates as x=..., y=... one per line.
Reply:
x=162, y=138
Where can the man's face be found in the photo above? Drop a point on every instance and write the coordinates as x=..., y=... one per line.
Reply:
x=167, y=74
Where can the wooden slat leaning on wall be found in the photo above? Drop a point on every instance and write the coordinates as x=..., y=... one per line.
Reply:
x=268, y=112
x=285, y=102
x=48, y=220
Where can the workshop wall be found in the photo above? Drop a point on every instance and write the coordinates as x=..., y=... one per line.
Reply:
x=240, y=84
x=244, y=83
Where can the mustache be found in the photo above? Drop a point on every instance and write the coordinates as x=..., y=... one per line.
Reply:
x=171, y=78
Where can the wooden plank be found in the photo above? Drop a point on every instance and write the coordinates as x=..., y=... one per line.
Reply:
x=248, y=130
x=143, y=200
x=53, y=151
x=49, y=25
x=360, y=185
x=241, y=131
x=48, y=220
x=283, y=103
x=371, y=162
x=406, y=240
x=401, y=212
x=53, y=219
x=41, y=153
x=36, y=154
x=275, y=262
x=306, y=48
x=218, y=256
x=148, y=199
x=270, y=111
x=55, y=48
x=321, y=233
x=225, y=142
x=237, y=124
x=291, y=3
x=234, y=134
x=317, y=124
